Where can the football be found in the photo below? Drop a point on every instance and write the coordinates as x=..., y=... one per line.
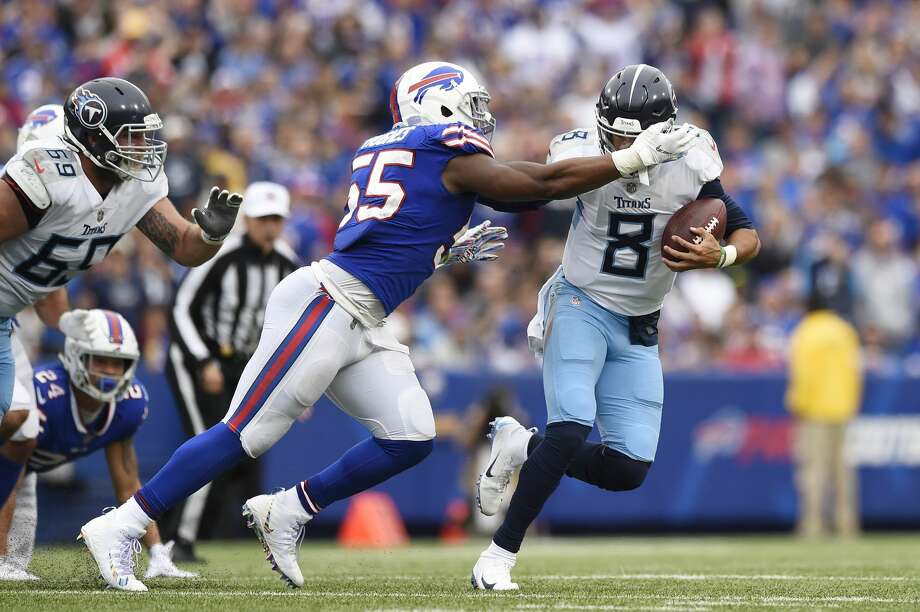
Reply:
x=708, y=213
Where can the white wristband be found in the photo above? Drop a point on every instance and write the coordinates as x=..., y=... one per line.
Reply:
x=729, y=255
x=212, y=241
x=627, y=161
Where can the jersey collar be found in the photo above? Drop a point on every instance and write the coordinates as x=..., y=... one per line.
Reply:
x=78, y=422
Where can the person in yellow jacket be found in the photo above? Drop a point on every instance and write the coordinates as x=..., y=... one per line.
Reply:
x=824, y=394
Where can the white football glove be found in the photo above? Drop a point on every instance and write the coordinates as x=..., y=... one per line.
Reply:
x=480, y=243
x=660, y=142
x=77, y=324
x=161, y=563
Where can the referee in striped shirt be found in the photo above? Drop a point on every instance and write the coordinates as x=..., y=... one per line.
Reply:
x=215, y=325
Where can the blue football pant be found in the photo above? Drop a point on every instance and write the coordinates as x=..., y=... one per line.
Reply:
x=592, y=374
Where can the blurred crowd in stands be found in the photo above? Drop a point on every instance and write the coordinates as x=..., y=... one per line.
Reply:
x=815, y=106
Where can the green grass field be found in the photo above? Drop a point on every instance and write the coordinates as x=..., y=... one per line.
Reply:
x=730, y=573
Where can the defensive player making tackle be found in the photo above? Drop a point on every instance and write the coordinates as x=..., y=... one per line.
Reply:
x=67, y=197
x=413, y=190
x=600, y=315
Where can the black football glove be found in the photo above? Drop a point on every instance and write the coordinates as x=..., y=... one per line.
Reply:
x=218, y=216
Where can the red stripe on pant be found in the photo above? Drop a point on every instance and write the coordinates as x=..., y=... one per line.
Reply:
x=268, y=382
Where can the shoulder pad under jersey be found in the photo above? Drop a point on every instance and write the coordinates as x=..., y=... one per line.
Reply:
x=703, y=159
x=575, y=143
x=30, y=181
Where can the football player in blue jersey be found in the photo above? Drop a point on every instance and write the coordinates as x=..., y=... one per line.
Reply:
x=87, y=401
x=412, y=193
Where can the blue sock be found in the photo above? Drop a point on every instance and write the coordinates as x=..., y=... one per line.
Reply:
x=194, y=464
x=364, y=465
x=9, y=476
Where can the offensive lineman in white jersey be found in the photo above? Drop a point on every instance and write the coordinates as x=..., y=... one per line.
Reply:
x=598, y=315
x=66, y=200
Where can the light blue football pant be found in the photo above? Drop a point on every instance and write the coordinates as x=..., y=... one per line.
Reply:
x=7, y=365
x=591, y=373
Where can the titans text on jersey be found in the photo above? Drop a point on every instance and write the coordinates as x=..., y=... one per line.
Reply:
x=613, y=250
x=63, y=436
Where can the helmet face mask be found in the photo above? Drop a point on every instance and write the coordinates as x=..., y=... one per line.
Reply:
x=100, y=377
x=111, y=122
x=440, y=92
x=478, y=113
x=138, y=153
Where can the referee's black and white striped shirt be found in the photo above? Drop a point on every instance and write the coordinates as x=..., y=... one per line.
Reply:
x=220, y=305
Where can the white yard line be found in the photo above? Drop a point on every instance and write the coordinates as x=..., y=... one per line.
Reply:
x=637, y=577
x=684, y=600
x=703, y=577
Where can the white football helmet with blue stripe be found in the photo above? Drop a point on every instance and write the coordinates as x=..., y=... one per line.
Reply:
x=44, y=122
x=441, y=92
x=102, y=333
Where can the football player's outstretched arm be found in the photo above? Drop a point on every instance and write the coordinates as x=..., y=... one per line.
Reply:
x=187, y=243
x=126, y=480
x=528, y=182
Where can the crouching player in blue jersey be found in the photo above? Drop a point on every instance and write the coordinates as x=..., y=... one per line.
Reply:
x=412, y=192
x=600, y=315
x=83, y=403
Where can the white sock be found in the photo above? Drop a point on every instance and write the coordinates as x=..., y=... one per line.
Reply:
x=494, y=550
x=521, y=441
x=134, y=518
x=291, y=501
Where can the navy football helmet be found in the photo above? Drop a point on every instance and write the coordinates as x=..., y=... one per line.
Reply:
x=633, y=99
x=111, y=122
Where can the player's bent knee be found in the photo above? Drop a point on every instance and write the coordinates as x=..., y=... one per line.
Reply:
x=568, y=436
x=416, y=415
x=621, y=473
x=406, y=452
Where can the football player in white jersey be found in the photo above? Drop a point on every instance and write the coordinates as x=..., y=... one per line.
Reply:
x=598, y=315
x=44, y=122
x=67, y=199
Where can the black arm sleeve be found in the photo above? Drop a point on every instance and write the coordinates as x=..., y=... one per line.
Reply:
x=735, y=217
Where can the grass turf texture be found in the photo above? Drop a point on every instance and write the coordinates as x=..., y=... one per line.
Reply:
x=725, y=573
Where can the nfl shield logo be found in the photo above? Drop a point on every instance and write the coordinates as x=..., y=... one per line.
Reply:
x=576, y=301
x=631, y=188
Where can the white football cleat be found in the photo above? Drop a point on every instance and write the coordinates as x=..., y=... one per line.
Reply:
x=114, y=551
x=161, y=563
x=493, y=573
x=279, y=528
x=11, y=572
x=509, y=452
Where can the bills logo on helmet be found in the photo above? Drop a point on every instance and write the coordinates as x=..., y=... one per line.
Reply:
x=89, y=108
x=41, y=117
x=444, y=77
